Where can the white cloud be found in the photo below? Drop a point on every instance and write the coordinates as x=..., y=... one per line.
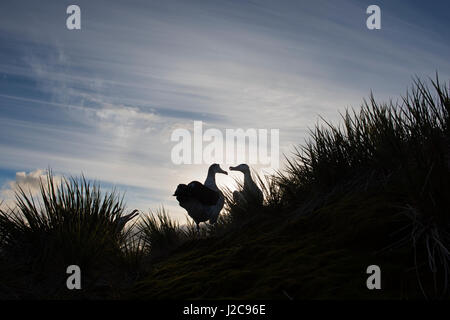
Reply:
x=29, y=182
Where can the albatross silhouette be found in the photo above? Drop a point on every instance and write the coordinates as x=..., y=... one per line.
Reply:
x=122, y=221
x=251, y=191
x=202, y=202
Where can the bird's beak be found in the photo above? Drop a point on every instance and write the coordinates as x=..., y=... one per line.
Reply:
x=233, y=168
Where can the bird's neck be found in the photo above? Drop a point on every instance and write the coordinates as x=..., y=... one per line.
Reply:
x=210, y=179
x=248, y=181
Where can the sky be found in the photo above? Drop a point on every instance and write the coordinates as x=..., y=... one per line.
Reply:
x=104, y=100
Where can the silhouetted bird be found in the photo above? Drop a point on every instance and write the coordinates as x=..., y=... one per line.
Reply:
x=202, y=202
x=122, y=221
x=250, y=191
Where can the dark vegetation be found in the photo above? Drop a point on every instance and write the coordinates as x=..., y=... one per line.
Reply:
x=373, y=190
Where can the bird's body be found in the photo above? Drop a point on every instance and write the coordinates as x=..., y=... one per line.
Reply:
x=202, y=202
x=250, y=191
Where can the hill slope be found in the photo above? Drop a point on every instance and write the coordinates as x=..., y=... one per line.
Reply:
x=323, y=255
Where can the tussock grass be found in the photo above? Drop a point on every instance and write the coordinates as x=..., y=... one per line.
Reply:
x=378, y=139
x=401, y=149
x=160, y=234
x=73, y=217
x=71, y=222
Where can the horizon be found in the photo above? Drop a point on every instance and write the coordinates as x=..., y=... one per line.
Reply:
x=103, y=101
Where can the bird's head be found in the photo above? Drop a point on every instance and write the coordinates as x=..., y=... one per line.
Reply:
x=242, y=168
x=181, y=189
x=215, y=168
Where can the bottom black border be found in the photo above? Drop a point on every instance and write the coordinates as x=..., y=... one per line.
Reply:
x=176, y=309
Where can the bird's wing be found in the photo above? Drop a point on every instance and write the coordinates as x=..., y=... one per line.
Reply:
x=203, y=194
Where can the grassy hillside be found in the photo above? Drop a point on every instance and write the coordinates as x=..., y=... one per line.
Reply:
x=372, y=190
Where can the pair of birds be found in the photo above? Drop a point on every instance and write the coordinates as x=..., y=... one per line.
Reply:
x=203, y=202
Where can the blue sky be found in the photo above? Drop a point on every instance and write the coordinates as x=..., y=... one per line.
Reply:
x=104, y=100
